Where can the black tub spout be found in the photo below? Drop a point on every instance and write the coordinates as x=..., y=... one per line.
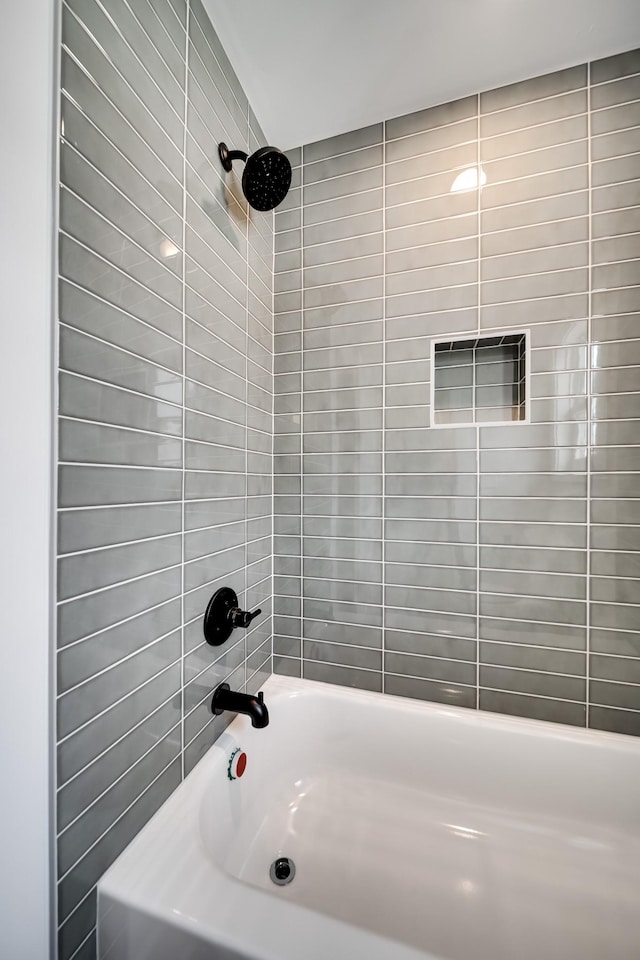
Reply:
x=225, y=698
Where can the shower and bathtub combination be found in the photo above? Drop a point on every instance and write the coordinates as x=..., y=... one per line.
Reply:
x=346, y=823
x=348, y=655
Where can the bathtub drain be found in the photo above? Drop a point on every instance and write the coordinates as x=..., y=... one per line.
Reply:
x=282, y=871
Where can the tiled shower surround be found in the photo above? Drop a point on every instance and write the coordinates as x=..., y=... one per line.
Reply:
x=165, y=429
x=492, y=566
x=495, y=566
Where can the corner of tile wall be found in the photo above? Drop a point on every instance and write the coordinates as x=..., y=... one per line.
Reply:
x=490, y=567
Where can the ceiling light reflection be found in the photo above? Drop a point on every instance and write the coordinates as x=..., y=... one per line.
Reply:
x=466, y=886
x=168, y=249
x=468, y=180
x=467, y=832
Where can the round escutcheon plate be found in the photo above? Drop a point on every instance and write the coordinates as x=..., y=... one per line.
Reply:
x=217, y=626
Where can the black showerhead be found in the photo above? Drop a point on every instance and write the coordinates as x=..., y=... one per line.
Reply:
x=266, y=178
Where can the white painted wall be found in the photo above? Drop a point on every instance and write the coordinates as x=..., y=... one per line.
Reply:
x=26, y=250
x=313, y=70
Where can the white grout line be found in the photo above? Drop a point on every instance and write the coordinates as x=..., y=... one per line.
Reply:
x=160, y=400
x=273, y=433
x=214, y=254
x=365, y=167
x=452, y=261
x=122, y=116
x=511, y=231
x=503, y=181
x=53, y=531
x=94, y=43
x=184, y=382
x=261, y=667
x=118, y=506
x=462, y=592
x=66, y=96
x=221, y=66
x=209, y=666
x=571, y=627
x=119, y=270
x=65, y=418
x=431, y=289
x=468, y=686
x=486, y=332
x=303, y=165
x=209, y=722
x=118, y=623
x=409, y=656
x=172, y=12
x=116, y=821
x=244, y=639
x=213, y=170
x=111, y=706
x=75, y=375
x=124, y=314
x=120, y=583
x=92, y=932
x=129, y=201
x=122, y=34
x=427, y=200
x=116, y=663
x=474, y=371
x=384, y=408
x=124, y=773
x=588, y=393
x=226, y=122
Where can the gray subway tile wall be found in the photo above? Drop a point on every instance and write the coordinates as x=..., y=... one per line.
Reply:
x=506, y=557
x=165, y=421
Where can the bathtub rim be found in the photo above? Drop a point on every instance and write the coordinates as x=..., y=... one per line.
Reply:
x=280, y=684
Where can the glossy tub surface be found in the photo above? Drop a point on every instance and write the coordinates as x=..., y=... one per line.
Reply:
x=416, y=831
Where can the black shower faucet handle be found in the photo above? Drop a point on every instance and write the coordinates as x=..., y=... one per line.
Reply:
x=242, y=618
x=223, y=615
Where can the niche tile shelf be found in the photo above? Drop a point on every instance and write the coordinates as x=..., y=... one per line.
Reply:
x=480, y=380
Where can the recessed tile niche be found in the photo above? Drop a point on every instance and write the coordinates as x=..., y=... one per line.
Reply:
x=480, y=380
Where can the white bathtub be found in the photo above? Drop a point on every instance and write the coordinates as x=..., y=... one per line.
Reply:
x=416, y=831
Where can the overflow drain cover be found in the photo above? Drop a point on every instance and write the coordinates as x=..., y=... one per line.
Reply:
x=282, y=871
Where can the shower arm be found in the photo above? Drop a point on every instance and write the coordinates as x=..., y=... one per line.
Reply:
x=228, y=156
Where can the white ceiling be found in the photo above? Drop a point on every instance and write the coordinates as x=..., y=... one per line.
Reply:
x=315, y=69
